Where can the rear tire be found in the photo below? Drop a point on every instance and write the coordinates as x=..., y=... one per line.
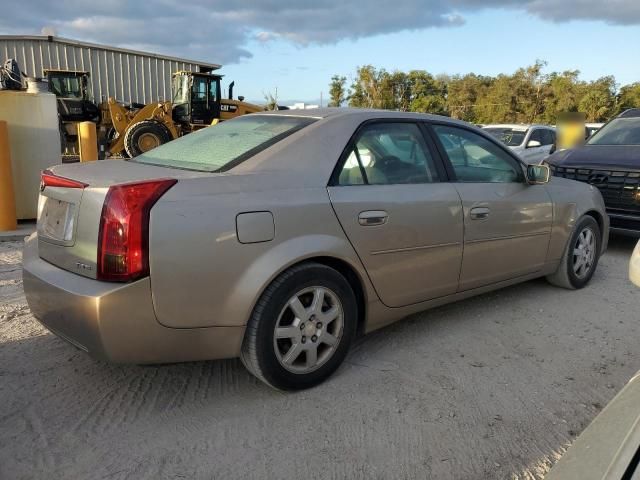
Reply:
x=144, y=136
x=301, y=328
x=580, y=257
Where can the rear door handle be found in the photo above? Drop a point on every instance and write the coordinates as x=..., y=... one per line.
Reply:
x=373, y=217
x=479, y=213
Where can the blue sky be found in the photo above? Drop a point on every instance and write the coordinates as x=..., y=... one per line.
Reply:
x=491, y=42
x=297, y=45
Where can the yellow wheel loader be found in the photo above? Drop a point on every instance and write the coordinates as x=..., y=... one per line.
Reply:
x=196, y=103
x=75, y=105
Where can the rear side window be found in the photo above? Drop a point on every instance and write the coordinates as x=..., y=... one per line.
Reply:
x=476, y=159
x=388, y=153
x=226, y=145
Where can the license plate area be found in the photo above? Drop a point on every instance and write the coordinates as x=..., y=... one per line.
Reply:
x=57, y=221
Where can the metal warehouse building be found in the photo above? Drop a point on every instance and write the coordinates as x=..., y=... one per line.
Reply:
x=127, y=75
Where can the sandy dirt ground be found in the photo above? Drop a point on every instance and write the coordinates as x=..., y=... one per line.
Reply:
x=492, y=387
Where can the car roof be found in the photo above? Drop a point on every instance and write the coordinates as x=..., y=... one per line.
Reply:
x=630, y=113
x=363, y=113
x=517, y=126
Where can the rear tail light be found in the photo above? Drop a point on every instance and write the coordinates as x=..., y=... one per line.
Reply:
x=123, y=241
x=50, y=179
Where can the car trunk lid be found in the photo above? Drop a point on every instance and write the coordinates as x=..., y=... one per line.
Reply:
x=69, y=215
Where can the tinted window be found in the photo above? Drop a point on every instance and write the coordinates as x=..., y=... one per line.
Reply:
x=548, y=137
x=476, y=159
x=388, y=153
x=66, y=87
x=537, y=136
x=199, y=90
x=543, y=135
x=224, y=146
x=620, y=131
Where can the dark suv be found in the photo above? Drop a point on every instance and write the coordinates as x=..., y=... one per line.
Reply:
x=610, y=161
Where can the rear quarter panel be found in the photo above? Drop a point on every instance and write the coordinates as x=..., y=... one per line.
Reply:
x=201, y=275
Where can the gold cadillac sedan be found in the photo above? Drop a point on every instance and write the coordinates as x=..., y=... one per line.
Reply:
x=280, y=236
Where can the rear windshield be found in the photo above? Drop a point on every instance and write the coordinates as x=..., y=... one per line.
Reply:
x=620, y=131
x=226, y=145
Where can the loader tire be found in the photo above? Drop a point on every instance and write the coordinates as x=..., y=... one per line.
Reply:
x=144, y=136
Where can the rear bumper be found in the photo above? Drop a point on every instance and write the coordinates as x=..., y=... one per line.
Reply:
x=115, y=321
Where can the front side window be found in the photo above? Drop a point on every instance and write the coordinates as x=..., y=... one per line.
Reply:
x=66, y=87
x=548, y=137
x=222, y=147
x=213, y=91
x=180, y=89
x=199, y=90
x=388, y=153
x=476, y=159
x=537, y=136
x=543, y=135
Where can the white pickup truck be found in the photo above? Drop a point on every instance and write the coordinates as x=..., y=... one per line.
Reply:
x=532, y=143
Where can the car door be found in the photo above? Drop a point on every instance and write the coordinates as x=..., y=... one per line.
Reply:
x=507, y=222
x=548, y=140
x=533, y=154
x=403, y=220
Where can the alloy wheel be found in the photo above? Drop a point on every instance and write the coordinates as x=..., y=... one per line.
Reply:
x=584, y=253
x=308, y=329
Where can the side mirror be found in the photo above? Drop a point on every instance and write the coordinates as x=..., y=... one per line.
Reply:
x=533, y=144
x=538, y=174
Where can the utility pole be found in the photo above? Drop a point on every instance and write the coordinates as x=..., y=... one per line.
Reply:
x=320, y=99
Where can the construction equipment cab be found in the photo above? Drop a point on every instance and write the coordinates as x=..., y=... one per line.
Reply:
x=75, y=104
x=196, y=99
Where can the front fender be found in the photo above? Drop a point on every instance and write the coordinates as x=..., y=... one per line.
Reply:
x=571, y=201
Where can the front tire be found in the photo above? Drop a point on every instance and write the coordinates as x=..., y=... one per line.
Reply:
x=301, y=328
x=580, y=257
x=144, y=136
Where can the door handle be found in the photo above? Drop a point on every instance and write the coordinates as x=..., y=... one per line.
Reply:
x=373, y=217
x=479, y=213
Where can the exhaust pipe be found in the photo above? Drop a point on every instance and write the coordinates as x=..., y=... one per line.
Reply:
x=231, y=90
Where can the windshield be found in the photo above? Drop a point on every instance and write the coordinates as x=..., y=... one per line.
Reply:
x=509, y=136
x=180, y=89
x=222, y=147
x=619, y=131
x=66, y=87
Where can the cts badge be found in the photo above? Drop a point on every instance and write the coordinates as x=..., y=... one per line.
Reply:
x=83, y=266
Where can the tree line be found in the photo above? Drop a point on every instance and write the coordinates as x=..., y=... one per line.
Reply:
x=529, y=95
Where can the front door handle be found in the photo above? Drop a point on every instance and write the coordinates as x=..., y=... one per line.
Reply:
x=373, y=217
x=479, y=213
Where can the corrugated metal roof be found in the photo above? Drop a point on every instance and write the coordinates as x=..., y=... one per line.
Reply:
x=128, y=75
x=68, y=41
